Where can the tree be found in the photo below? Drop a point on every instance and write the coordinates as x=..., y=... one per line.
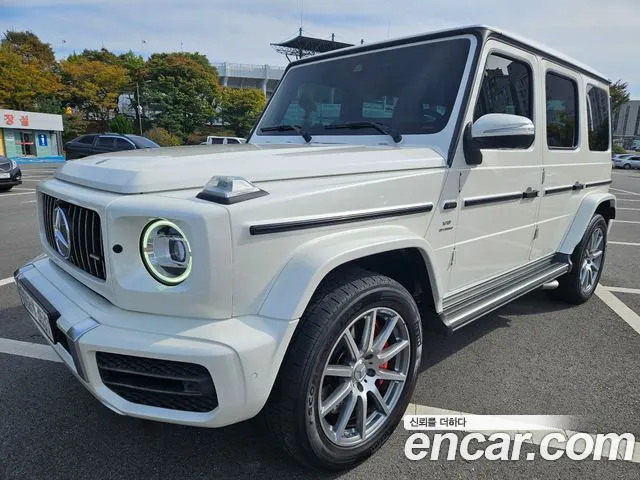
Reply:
x=619, y=93
x=181, y=89
x=162, y=137
x=28, y=71
x=240, y=108
x=93, y=85
x=121, y=124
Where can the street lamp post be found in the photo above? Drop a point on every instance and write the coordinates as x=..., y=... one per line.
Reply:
x=139, y=107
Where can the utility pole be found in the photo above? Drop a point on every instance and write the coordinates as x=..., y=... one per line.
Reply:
x=139, y=107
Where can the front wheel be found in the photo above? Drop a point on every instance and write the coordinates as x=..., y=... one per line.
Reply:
x=578, y=285
x=349, y=372
x=626, y=166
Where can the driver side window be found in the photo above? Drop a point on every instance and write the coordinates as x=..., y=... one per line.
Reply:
x=507, y=87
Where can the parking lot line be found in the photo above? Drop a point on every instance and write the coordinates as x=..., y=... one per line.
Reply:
x=623, y=290
x=634, y=209
x=615, y=304
x=624, y=243
x=27, y=349
x=15, y=194
x=624, y=221
x=625, y=191
x=6, y=281
x=627, y=200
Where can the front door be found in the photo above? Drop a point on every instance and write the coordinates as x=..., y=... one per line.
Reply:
x=496, y=225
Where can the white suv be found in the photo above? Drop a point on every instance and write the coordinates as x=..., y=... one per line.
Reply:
x=387, y=189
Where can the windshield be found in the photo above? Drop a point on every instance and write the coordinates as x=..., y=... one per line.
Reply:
x=411, y=89
x=142, y=142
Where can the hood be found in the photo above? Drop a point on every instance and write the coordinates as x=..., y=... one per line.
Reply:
x=179, y=168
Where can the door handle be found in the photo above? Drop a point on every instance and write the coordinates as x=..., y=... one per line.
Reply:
x=578, y=186
x=530, y=193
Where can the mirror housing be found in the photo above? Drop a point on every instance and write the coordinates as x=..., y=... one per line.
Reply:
x=497, y=131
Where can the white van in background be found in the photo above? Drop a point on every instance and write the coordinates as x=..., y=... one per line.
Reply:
x=214, y=140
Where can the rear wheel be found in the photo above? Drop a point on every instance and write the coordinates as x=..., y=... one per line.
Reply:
x=578, y=285
x=349, y=372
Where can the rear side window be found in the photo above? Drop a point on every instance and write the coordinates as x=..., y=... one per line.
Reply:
x=217, y=141
x=598, y=119
x=122, y=144
x=232, y=140
x=562, y=111
x=507, y=87
x=88, y=139
x=105, y=142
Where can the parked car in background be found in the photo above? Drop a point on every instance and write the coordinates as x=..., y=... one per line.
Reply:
x=92, y=144
x=627, y=161
x=10, y=174
x=215, y=140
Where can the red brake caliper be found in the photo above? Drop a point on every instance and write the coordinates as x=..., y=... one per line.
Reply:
x=385, y=364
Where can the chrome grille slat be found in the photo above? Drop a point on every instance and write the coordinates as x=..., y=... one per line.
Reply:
x=86, y=235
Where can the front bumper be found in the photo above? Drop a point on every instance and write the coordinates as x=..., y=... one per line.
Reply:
x=15, y=178
x=241, y=355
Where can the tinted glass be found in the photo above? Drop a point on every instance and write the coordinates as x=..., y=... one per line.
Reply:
x=411, y=89
x=122, y=144
x=142, y=142
x=86, y=139
x=216, y=141
x=562, y=117
x=105, y=142
x=507, y=87
x=598, y=121
x=232, y=140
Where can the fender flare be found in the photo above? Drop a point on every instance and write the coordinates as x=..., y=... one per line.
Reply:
x=586, y=210
x=294, y=286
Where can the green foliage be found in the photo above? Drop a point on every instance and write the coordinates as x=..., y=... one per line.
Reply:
x=239, y=109
x=619, y=93
x=74, y=126
x=28, y=71
x=121, y=124
x=616, y=149
x=162, y=137
x=182, y=88
x=93, y=85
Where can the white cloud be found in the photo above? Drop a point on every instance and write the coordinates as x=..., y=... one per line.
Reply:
x=601, y=34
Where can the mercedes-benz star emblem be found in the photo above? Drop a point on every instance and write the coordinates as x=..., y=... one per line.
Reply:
x=61, y=232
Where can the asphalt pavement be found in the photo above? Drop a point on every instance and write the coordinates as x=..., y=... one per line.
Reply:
x=535, y=356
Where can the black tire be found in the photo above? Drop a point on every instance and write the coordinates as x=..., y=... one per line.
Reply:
x=626, y=166
x=5, y=189
x=292, y=413
x=570, y=289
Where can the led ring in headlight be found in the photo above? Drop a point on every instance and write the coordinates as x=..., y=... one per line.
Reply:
x=166, y=252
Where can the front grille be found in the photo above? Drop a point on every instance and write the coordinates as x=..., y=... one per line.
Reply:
x=86, y=250
x=158, y=383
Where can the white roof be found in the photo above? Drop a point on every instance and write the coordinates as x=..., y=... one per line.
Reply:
x=534, y=45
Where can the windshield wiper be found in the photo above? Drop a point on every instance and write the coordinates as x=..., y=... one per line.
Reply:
x=381, y=127
x=282, y=128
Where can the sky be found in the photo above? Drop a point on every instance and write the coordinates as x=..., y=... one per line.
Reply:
x=602, y=34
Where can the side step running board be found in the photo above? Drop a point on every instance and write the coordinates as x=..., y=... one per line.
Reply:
x=459, y=315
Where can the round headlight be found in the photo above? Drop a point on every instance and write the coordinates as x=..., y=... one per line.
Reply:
x=166, y=252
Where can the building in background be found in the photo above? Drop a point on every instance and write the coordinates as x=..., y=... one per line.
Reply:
x=241, y=75
x=626, y=125
x=31, y=137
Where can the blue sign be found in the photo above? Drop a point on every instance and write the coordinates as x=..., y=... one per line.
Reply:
x=42, y=140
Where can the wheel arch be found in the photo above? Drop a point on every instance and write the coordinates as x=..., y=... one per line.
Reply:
x=311, y=263
x=603, y=203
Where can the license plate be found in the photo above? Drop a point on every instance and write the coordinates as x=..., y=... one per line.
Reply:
x=5, y=175
x=38, y=313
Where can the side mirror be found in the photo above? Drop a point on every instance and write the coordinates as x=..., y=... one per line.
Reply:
x=497, y=131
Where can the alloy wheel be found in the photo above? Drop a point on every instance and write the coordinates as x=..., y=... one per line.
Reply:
x=364, y=377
